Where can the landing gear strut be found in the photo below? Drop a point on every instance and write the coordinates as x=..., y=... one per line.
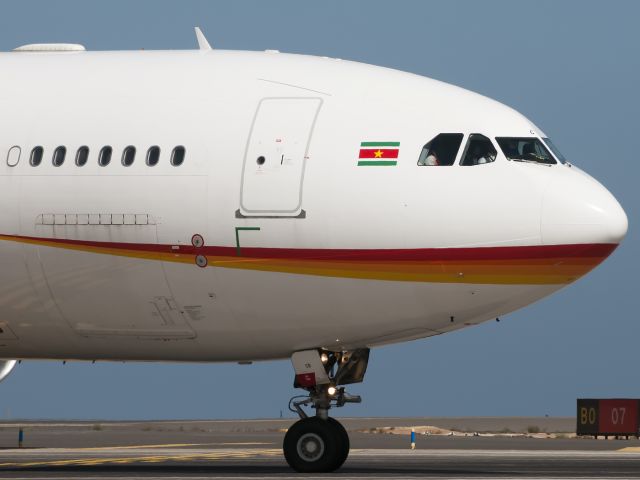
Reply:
x=320, y=443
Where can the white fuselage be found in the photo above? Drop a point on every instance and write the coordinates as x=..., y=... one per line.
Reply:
x=302, y=249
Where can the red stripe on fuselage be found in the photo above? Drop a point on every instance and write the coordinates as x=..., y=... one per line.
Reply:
x=435, y=254
x=598, y=250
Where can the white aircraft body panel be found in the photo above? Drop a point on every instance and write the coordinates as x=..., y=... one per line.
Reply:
x=230, y=258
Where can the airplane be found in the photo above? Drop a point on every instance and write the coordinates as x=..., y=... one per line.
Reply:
x=235, y=206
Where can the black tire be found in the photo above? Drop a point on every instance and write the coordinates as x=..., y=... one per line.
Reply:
x=345, y=444
x=313, y=445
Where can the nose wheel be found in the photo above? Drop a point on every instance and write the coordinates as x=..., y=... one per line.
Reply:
x=314, y=444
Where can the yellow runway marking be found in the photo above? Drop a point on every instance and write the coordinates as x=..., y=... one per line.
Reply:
x=242, y=443
x=172, y=445
x=147, y=459
x=153, y=460
x=167, y=445
x=630, y=449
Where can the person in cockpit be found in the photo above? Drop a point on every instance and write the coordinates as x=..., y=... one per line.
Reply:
x=432, y=158
x=510, y=149
x=479, y=154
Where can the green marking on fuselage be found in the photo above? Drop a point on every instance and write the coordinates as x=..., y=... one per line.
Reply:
x=377, y=163
x=379, y=144
x=238, y=237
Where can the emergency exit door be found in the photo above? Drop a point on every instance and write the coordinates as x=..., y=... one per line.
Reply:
x=275, y=158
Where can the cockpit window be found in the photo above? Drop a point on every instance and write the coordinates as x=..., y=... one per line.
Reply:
x=555, y=150
x=441, y=150
x=479, y=150
x=525, y=149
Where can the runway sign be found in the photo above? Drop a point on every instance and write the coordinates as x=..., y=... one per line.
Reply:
x=608, y=417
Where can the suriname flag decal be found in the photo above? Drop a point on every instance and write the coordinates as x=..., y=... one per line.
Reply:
x=378, y=154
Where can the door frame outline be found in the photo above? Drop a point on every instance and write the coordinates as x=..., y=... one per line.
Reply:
x=250, y=213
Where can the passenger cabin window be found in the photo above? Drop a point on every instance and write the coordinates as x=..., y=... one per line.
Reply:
x=82, y=155
x=105, y=156
x=36, y=156
x=177, y=156
x=441, y=150
x=525, y=149
x=128, y=156
x=13, y=156
x=479, y=150
x=58, y=156
x=153, y=156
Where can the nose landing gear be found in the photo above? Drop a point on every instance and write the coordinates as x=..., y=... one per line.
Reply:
x=320, y=443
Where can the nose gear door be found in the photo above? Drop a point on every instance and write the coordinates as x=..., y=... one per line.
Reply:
x=275, y=157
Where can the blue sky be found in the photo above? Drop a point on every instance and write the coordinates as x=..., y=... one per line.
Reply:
x=573, y=67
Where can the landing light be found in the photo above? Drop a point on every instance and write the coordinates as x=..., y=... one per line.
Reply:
x=324, y=358
x=331, y=391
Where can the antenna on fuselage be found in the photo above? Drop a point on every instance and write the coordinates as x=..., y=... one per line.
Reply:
x=203, y=44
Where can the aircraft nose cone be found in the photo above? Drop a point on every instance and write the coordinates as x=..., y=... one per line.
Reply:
x=581, y=210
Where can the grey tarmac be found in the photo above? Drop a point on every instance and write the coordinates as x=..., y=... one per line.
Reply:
x=252, y=449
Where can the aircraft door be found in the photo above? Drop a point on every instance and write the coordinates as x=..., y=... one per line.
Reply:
x=275, y=157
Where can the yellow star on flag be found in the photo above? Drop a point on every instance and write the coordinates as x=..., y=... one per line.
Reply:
x=378, y=153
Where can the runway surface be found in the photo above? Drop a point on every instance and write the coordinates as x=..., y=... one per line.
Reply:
x=251, y=449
